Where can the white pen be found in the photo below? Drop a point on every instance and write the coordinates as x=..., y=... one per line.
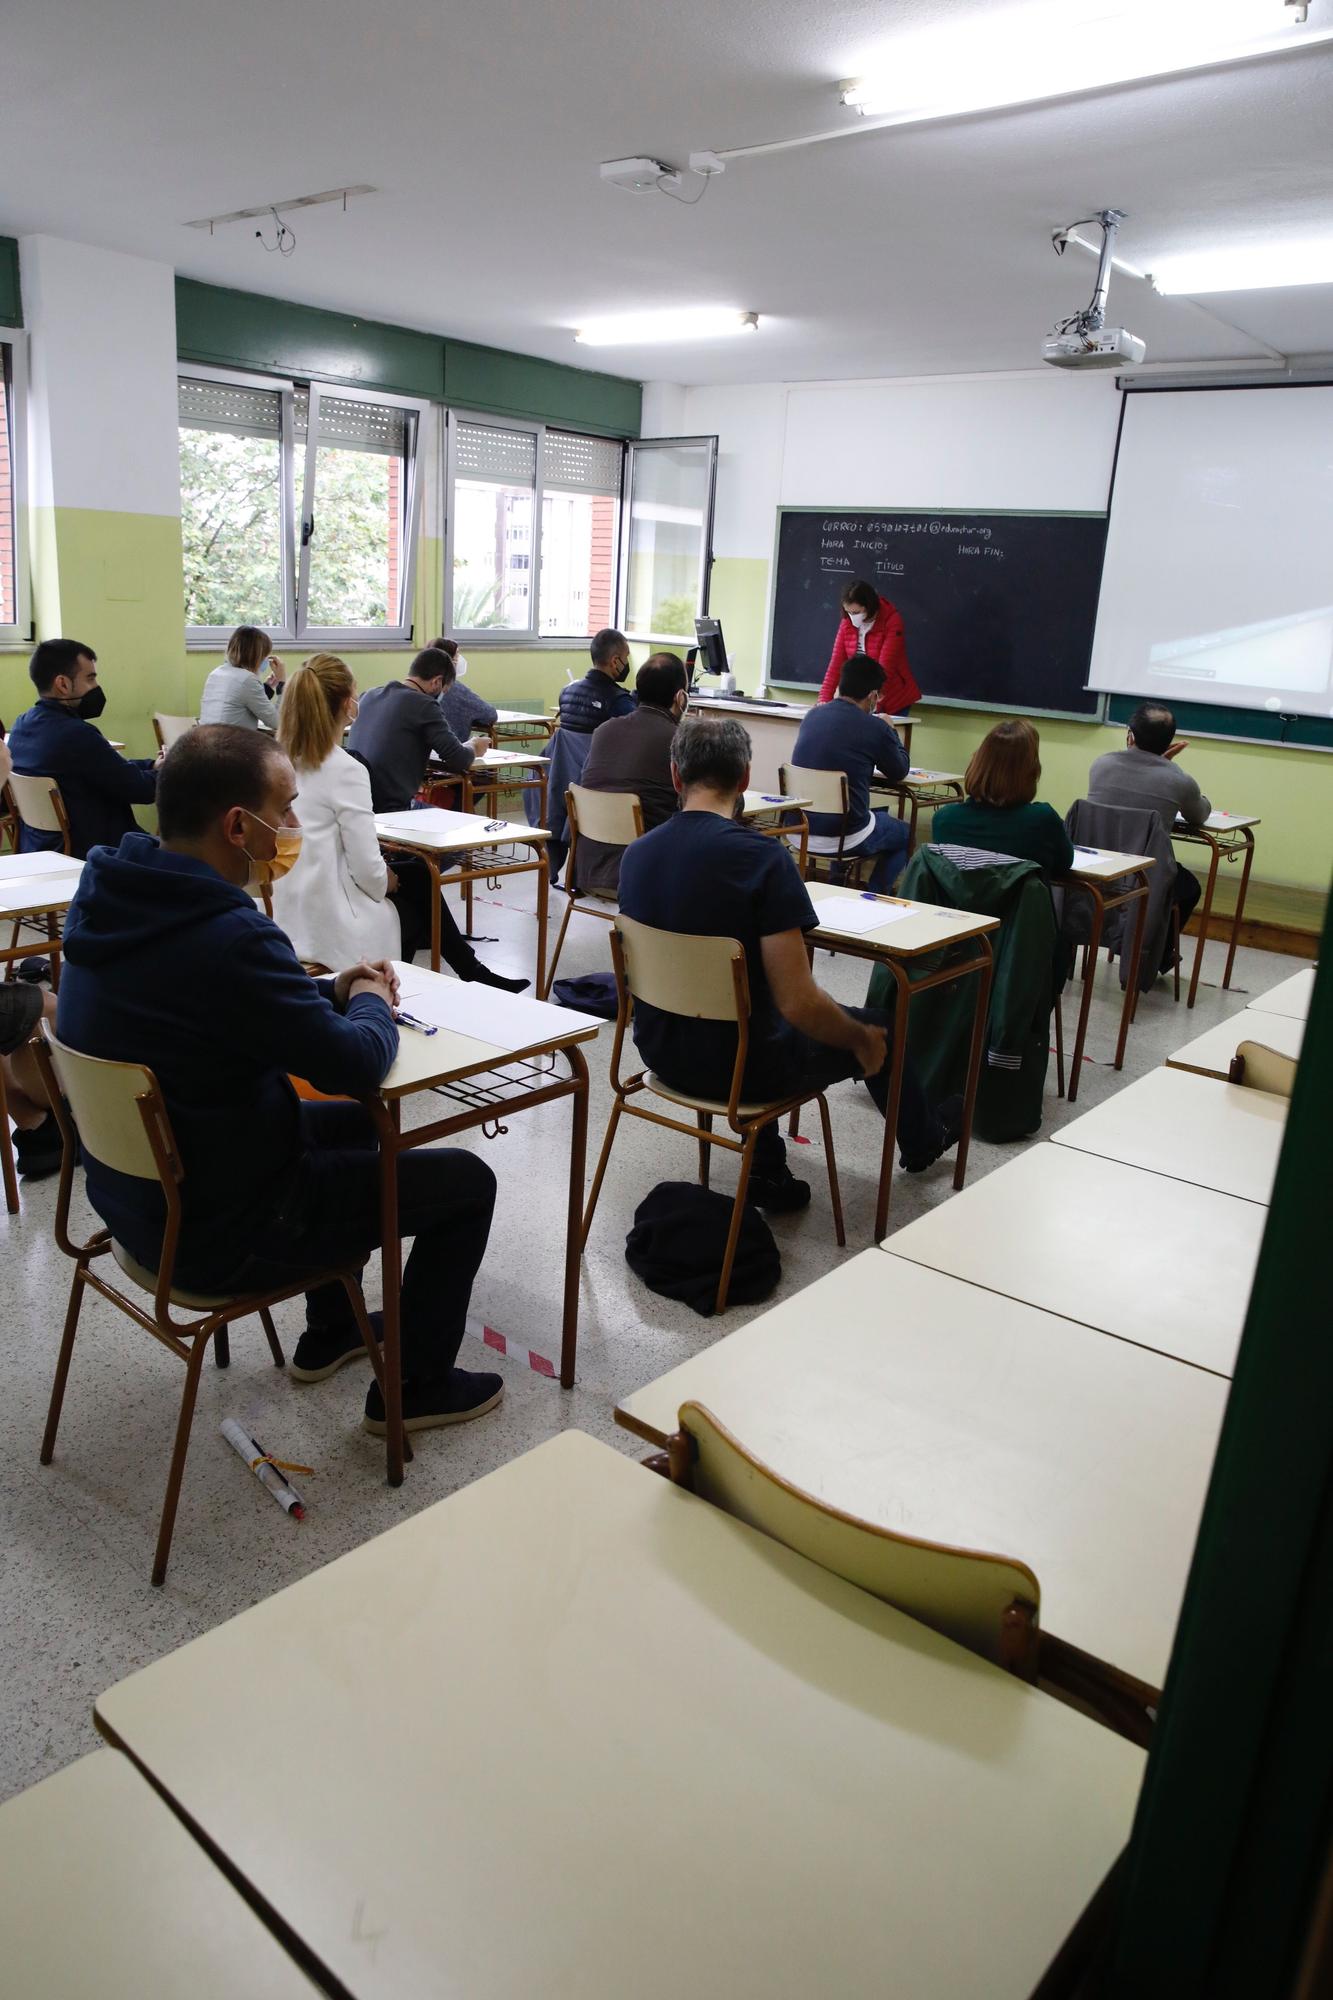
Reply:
x=411, y=1021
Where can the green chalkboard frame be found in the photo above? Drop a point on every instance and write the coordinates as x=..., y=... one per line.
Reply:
x=1236, y=725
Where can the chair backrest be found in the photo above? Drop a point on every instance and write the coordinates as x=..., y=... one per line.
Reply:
x=168, y=729
x=826, y=790
x=1261, y=1068
x=987, y=1603
x=702, y=978
x=104, y=1101
x=615, y=818
x=37, y=803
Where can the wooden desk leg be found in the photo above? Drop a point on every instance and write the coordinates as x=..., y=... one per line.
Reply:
x=1205, y=912
x=7, y=1166
x=1130, y=1007
x=436, y=891
x=543, y=888
x=53, y=949
x=1247, y=834
x=981, y=1007
x=387, y=1119
x=905, y=733
x=578, y=1159
x=897, y=1060
x=1092, y=948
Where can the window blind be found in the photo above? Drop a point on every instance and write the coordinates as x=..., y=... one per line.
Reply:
x=377, y=427
x=581, y=464
x=484, y=451
x=228, y=406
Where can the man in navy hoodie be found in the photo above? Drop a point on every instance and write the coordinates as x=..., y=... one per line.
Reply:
x=55, y=739
x=170, y=963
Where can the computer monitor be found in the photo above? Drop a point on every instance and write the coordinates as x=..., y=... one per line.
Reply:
x=712, y=646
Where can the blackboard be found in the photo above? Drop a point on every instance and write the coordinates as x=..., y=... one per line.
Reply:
x=998, y=608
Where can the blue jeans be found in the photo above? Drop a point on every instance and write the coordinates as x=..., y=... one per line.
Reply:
x=887, y=838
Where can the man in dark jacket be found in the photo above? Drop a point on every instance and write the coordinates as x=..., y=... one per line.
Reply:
x=399, y=725
x=600, y=695
x=55, y=739
x=846, y=735
x=632, y=753
x=169, y=963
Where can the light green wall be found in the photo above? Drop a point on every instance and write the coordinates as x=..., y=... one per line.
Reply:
x=1291, y=790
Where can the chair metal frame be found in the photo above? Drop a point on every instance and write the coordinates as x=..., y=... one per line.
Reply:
x=567, y=886
x=745, y=1125
x=189, y=1340
x=852, y=862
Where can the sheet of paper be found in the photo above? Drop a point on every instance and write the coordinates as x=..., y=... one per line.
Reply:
x=25, y=866
x=505, y=1020
x=854, y=916
x=431, y=823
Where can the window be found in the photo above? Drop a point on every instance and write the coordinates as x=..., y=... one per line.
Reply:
x=522, y=498
x=15, y=621
x=668, y=533
x=298, y=509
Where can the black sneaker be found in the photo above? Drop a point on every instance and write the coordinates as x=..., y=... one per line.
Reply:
x=39, y=1152
x=950, y=1115
x=322, y=1351
x=459, y=1398
x=778, y=1194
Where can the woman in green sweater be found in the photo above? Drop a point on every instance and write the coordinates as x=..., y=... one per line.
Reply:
x=1001, y=812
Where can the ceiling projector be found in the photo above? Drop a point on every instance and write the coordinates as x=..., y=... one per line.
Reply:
x=1084, y=340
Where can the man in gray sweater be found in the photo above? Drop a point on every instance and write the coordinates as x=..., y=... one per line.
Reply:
x=399, y=726
x=1143, y=775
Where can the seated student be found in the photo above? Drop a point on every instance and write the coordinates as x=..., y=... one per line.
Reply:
x=1143, y=775
x=584, y=705
x=632, y=753
x=462, y=709
x=169, y=963
x=343, y=902
x=703, y=872
x=37, y=1144
x=236, y=692
x=399, y=725
x=846, y=735
x=55, y=739
x=1002, y=814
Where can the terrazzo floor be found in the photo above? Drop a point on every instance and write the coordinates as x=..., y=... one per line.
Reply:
x=77, y=1541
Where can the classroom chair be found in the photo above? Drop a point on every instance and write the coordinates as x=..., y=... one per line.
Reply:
x=1260, y=1068
x=988, y=1603
x=169, y=729
x=115, y=1111
x=703, y=978
x=615, y=819
x=827, y=793
x=9, y=826
x=36, y=803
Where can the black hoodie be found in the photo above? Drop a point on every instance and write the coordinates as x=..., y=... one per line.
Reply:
x=168, y=965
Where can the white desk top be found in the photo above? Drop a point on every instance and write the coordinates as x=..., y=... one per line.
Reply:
x=442, y=832
x=518, y=715
x=664, y=1732
x=1292, y=997
x=1216, y=822
x=42, y=890
x=499, y=760
x=920, y=776
x=1105, y=864
x=941, y=1410
x=764, y=805
x=479, y=1028
x=1189, y=1128
x=14, y=867
x=1038, y=1228
x=1211, y=1052
x=927, y=927
x=103, y=1891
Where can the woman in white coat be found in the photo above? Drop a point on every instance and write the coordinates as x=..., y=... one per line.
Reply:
x=341, y=902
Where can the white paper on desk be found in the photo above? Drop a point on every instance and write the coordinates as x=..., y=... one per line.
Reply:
x=854, y=916
x=431, y=823
x=21, y=867
x=507, y=1020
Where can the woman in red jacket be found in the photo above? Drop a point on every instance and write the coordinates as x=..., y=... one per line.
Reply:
x=870, y=624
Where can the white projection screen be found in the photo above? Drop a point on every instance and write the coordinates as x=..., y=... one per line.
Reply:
x=1218, y=580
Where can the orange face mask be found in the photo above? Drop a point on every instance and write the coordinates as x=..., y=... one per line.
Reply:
x=265, y=872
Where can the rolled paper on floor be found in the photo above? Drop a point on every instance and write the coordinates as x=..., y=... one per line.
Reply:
x=266, y=1473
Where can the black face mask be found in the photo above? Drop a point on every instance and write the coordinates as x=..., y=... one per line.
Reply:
x=90, y=705
x=621, y=674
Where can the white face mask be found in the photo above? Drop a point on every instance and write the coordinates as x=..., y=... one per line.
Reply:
x=860, y=619
x=460, y=665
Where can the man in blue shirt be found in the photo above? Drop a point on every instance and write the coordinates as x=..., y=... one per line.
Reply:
x=55, y=739
x=586, y=704
x=846, y=735
x=705, y=873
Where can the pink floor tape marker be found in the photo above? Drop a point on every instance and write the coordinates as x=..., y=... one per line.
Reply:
x=513, y=1350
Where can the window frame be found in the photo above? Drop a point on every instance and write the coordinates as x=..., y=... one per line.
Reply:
x=529, y=637
x=632, y=446
x=14, y=342
x=294, y=630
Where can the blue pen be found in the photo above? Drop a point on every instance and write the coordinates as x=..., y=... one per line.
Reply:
x=411, y=1021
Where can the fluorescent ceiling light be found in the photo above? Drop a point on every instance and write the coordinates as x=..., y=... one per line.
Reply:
x=652, y=328
x=1257, y=268
x=1026, y=53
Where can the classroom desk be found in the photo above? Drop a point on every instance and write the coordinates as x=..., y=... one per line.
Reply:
x=515, y=725
x=919, y=788
x=781, y=817
x=494, y=1056
x=1228, y=837
x=926, y=929
x=103, y=1891
x=1096, y=873
x=772, y=726
x=1178, y=1280
x=620, y=1743
x=1188, y=1128
x=941, y=1410
x=432, y=832
x=1292, y=997
x=1212, y=1052
x=36, y=888
x=501, y=770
